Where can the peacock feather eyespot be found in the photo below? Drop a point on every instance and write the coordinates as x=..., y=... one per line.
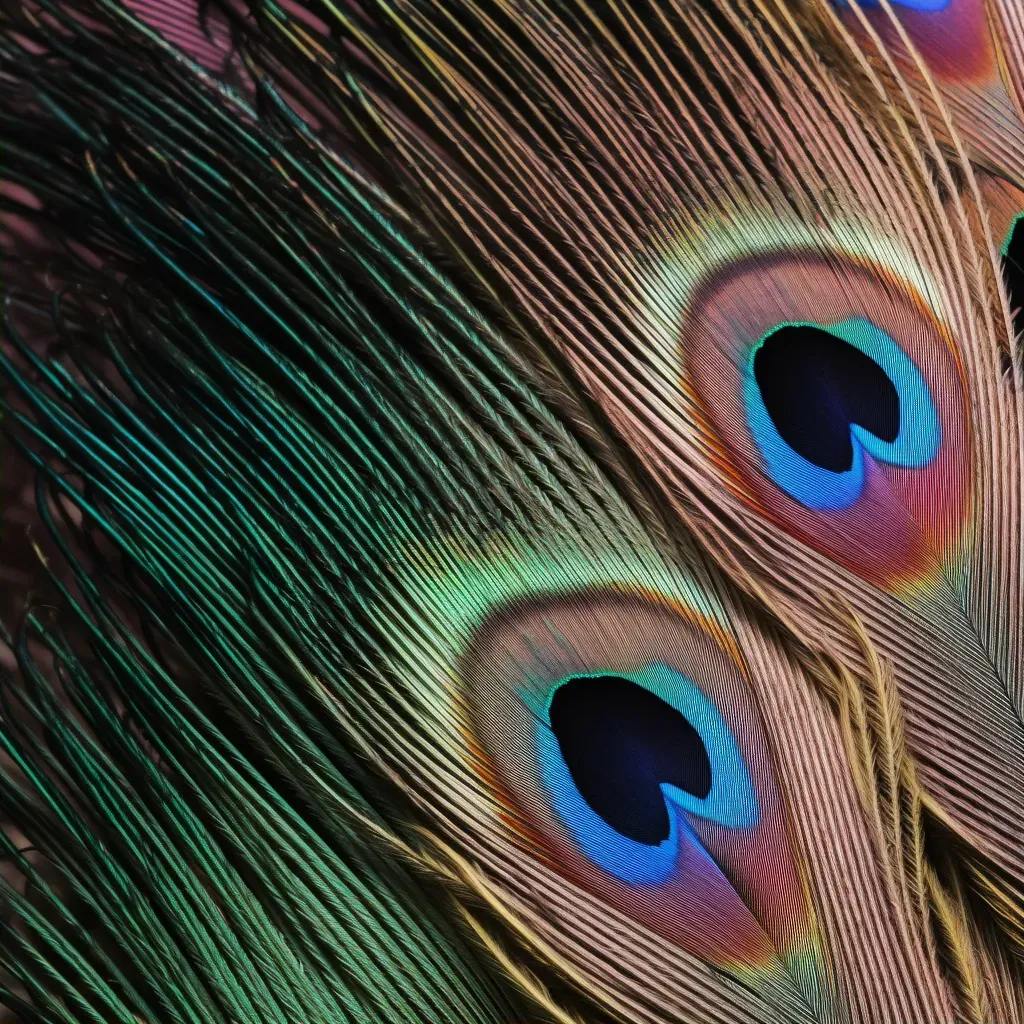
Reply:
x=822, y=402
x=831, y=386
x=624, y=755
x=621, y=726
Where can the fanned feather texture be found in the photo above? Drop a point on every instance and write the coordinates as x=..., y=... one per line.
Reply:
x=529, y=499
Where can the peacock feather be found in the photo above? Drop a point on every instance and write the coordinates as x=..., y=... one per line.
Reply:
x=526, y=500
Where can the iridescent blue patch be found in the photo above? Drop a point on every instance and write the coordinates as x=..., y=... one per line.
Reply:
x=915, y=445
x=913, y=5
x=731, y=800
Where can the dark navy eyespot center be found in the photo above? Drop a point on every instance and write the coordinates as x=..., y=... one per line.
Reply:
x=816, y=386
x=620, y=742
x=1013, y=272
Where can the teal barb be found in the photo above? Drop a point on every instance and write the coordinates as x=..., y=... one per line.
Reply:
x=530, y=529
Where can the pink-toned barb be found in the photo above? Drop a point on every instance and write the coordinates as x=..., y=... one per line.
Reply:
x=206, y=39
